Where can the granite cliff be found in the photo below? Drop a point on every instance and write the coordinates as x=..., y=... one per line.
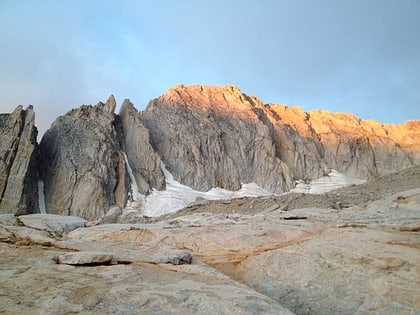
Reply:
x=206, y=136
x=18, y=158
x=144, y=161
x=82, y=164
x=214, y=137
x=217, y=136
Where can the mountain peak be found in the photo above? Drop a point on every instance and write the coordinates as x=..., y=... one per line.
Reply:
x=110, y=104
x=227, y=100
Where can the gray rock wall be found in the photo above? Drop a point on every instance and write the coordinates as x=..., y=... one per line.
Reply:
x=18, y=158
x=144, y=161
x=206, y=136
x=83, y=167
x=213, y=137
x=219, y=137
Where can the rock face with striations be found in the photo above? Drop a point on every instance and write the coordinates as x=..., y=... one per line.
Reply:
x=144, y=161
x=83, y=167
x=219, y=137
x=296, y=142
x=18, y=157
x=215, y=137
x=356, y=147
x=206, y=136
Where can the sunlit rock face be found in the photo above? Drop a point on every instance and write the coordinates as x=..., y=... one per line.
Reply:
x=365, y=148
x=83, y=167
x=215, y=137
x=18, y=157
x=312, y=142
x=219, y=137
x=296, y=142
x=207, y=137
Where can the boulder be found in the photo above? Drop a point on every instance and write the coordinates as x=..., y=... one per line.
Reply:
x=8, y=219
x=22, y=235
x=18, y=159
x=174, y=257
x=83, y=167
x=31, y=283
x=84, y=258
x=56, y=225
x=111, y=216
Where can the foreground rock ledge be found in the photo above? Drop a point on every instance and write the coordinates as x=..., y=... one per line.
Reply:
x=85, y=258
x=362, y=259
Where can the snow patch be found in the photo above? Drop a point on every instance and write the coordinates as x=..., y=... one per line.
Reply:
x=135, y=199
x=333, y=180
x=178, y=196
x=41, y=197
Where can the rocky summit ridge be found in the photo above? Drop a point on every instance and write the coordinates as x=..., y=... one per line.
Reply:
x=91, y=159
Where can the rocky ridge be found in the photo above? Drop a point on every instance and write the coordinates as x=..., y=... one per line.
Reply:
x=144, y=161
x=92, y=160
x=212, y=137
x=349, y=251
x=225, y=137
x=82, y=164
x=18, y=158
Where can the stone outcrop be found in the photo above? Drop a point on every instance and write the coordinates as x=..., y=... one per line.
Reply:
x=18, y=157
x=144, y=161
x=215, y=137
x=55, y=225
x=83, y=167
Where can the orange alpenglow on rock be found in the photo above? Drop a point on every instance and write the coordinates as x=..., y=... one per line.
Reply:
x=207, y=137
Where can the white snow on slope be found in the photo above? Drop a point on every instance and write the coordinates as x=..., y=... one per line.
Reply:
x=41, y=197
x=135, y=199
x=333, y=180
x=177, y=196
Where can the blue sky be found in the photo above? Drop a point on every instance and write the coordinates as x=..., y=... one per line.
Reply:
x=352, y=56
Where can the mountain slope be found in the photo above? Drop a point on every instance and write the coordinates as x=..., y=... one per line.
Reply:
x=218, y=136
x=206, y=137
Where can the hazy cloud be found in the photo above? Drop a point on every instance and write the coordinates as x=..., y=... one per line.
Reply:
x=359, y=56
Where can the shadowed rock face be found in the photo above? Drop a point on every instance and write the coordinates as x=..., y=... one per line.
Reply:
x=144, y=161
x=18, y=155
x=83, y=167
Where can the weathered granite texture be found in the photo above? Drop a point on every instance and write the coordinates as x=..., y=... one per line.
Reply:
x=18, y=158
x=83, y=166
